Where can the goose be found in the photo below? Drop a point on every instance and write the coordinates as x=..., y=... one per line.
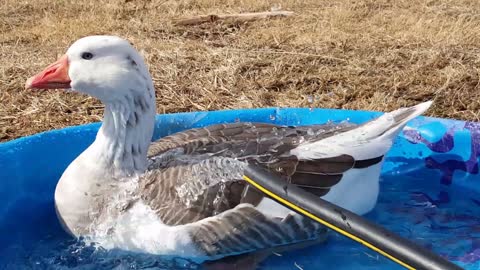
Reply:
x=183, y=194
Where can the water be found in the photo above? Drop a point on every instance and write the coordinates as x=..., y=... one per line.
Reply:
x=444, y=219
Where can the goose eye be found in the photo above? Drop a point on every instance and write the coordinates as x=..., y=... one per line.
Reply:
x=87, y=55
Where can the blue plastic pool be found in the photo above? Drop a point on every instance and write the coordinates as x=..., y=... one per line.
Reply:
x=430, y=193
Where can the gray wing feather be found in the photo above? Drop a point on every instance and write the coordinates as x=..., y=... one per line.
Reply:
x=244, y=229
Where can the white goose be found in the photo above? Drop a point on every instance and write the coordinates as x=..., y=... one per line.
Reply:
x=184, y=194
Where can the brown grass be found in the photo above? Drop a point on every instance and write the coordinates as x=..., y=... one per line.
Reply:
x=368, y=54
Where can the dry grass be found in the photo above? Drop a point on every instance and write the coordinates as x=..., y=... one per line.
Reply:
x=368, y=54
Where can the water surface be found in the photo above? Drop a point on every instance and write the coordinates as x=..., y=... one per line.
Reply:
x=445, y=219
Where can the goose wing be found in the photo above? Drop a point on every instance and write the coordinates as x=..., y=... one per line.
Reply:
x=195, y=179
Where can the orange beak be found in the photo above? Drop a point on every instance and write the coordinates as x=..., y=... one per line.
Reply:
x=55, y=76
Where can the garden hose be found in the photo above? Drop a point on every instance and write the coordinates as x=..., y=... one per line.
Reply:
x=398, y=249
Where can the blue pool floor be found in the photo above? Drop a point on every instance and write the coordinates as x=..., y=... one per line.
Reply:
x=443, y=219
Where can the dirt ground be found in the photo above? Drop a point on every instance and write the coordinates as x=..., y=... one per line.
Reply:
x=366, y=54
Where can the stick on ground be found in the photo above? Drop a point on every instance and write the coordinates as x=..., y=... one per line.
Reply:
x=242, y=17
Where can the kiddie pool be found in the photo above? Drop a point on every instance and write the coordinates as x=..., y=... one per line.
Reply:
x=430, y=194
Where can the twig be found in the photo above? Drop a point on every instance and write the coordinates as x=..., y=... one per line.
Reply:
x=242, y=17
x=290, y=53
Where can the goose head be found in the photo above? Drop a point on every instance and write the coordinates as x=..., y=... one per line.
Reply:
x=106, y=67
x=109, y=68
